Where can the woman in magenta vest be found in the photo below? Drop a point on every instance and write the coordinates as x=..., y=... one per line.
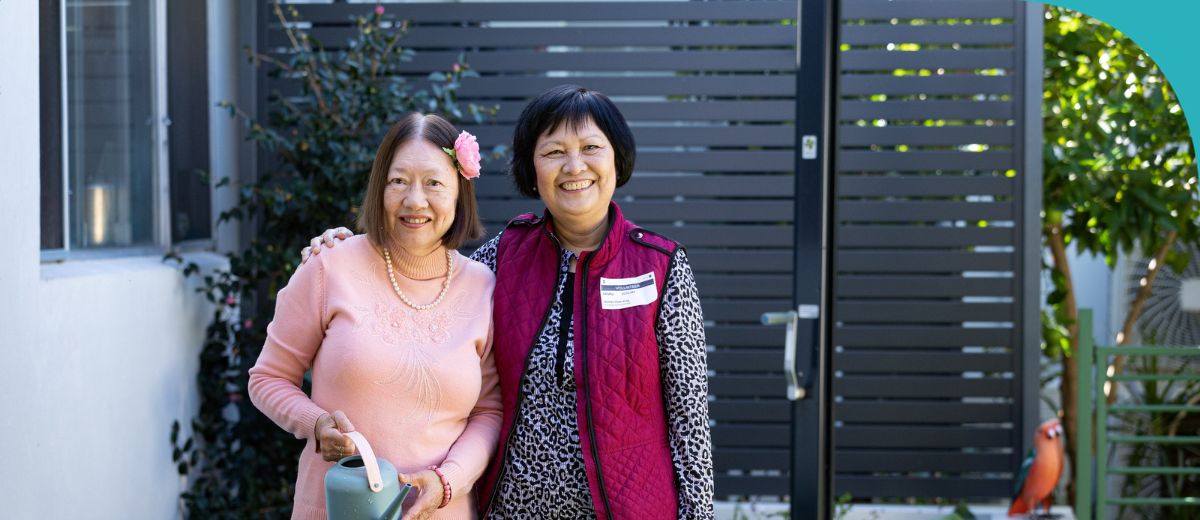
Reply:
x=599, y=337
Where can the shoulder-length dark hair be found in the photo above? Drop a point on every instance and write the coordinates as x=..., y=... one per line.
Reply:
x=573, y=105
x=372, y=216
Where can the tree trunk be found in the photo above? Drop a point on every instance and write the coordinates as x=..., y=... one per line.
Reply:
x=1135, y=310
x=1069, y=387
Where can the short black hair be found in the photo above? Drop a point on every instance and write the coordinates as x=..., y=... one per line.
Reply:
x=573, y=105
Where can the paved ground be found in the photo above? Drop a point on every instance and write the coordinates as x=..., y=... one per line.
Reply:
x=776, y=511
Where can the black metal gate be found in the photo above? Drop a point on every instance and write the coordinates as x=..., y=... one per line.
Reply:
x=930, y=275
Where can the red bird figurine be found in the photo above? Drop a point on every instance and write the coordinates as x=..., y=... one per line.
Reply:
x=1040, y=471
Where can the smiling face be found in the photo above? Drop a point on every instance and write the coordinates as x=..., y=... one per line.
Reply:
x=576, y=173
x=419, y=196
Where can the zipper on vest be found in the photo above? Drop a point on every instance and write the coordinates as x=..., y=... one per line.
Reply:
x=520, y=401
x=564, y=328
x=587, y=390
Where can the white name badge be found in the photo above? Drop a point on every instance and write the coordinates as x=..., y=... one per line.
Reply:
x=622, y=293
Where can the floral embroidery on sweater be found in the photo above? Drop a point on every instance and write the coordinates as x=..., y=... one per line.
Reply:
x=416, y=334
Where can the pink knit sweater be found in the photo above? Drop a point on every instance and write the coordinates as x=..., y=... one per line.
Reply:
x=421, y=386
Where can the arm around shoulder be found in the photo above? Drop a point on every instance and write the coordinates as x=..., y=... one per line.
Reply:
x=486, y=254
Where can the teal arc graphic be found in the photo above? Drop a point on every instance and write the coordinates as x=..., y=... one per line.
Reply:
x=1165, y=29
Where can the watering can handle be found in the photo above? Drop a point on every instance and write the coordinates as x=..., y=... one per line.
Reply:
x=368, y=455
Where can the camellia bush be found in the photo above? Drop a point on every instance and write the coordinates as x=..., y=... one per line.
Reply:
x=320, y=143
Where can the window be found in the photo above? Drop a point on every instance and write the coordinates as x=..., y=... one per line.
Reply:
x=106, y=171
x=188, y=106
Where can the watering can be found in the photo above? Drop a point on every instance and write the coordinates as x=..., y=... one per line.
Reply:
x=361, y=487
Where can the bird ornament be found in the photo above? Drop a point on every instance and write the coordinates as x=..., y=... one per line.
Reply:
x=1040, y=472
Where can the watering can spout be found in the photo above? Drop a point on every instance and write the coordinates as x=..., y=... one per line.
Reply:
x=397, y=508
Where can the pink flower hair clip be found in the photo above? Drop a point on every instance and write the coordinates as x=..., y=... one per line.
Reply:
x=465, y=155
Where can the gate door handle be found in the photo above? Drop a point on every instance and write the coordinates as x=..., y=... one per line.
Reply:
x=794, y=391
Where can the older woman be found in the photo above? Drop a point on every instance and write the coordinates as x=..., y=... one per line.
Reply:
x=396, y=329
x=600, y=339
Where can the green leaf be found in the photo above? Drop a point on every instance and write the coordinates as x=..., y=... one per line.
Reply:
x=1177, y=260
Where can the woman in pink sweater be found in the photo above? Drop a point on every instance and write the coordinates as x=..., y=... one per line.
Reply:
x=396, y=328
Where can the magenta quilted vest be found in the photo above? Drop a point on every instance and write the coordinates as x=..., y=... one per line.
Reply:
x=621, y=414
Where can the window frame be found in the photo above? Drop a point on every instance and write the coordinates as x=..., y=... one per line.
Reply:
x=160, y=151
x=50, y=167
x=190, y=106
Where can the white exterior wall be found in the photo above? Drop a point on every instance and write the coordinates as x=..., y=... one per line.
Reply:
x=97, y=357
x=1096, y=288
x=1093, y=290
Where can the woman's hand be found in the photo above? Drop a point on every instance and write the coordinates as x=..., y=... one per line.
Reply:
x=328, y=238
x=329, y=430
x=429, y=497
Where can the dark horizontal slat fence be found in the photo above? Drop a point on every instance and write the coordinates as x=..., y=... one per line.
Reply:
x=709, y=89
x=926, y=249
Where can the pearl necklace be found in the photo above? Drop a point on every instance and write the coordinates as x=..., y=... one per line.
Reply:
x=445, y=285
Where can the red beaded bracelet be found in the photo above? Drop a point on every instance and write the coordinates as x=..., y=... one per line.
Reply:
x=445, y=486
